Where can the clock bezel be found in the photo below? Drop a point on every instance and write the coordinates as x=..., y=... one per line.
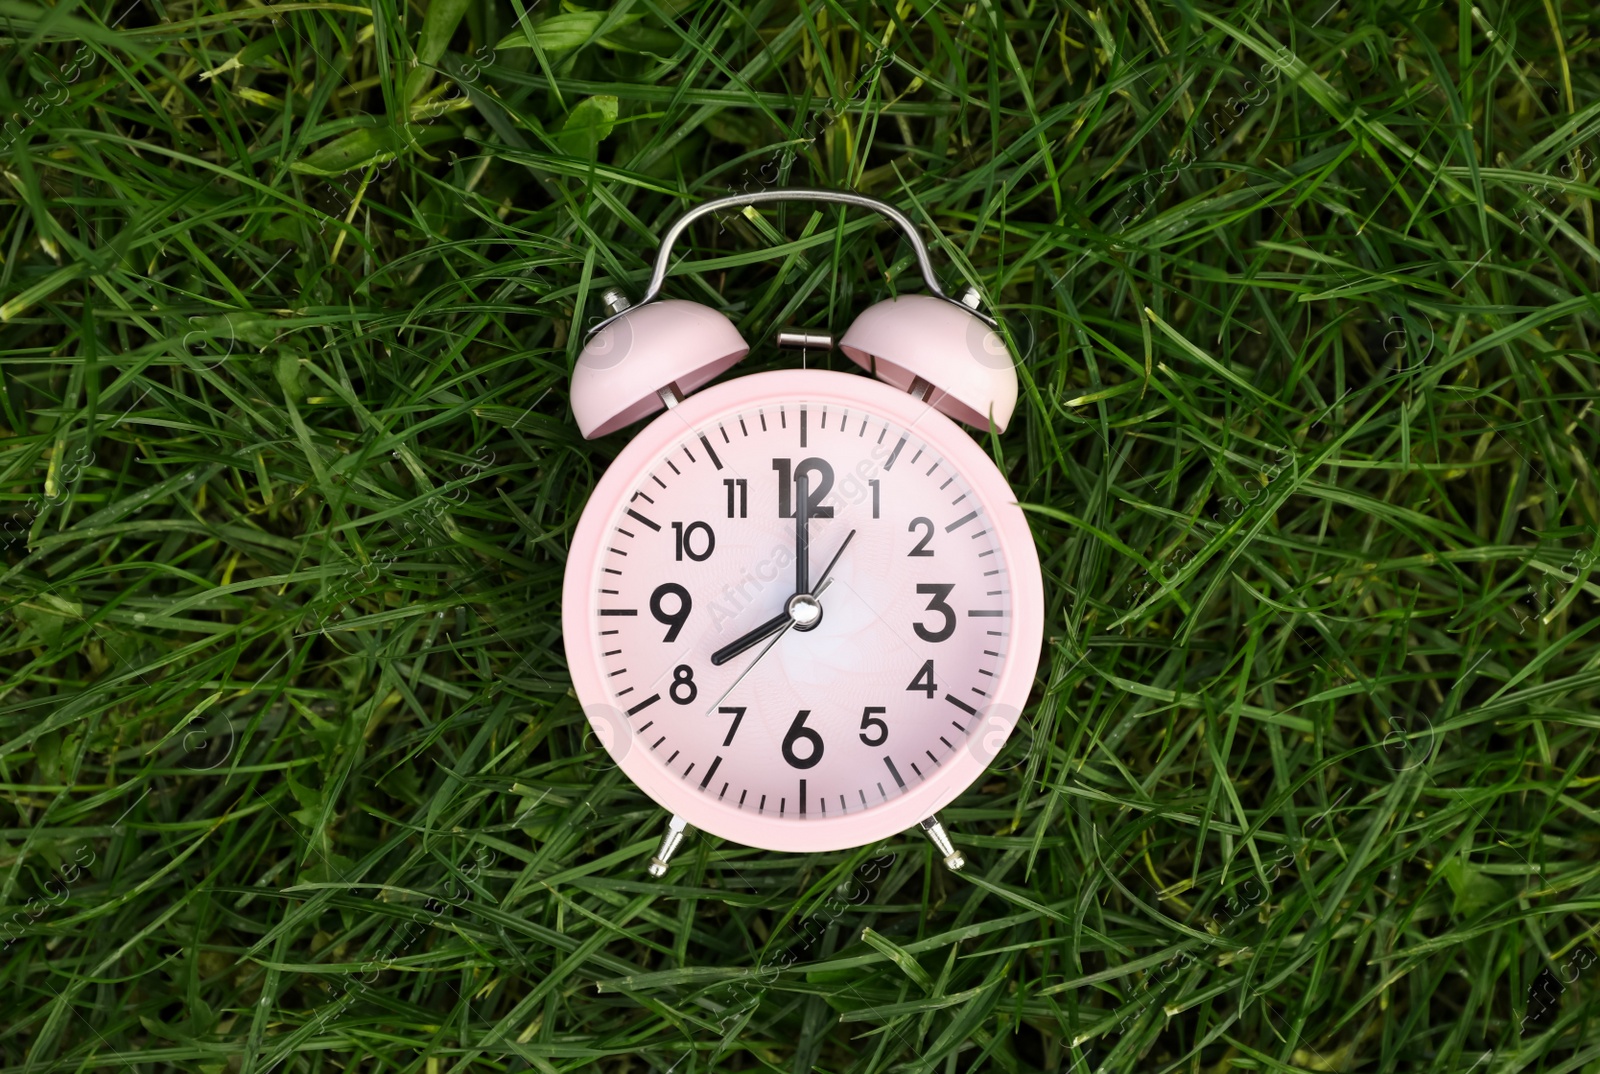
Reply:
x=580, y=607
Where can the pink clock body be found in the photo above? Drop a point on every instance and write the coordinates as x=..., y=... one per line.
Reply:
x=932, y=616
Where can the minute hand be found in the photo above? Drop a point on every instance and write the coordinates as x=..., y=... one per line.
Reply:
x=802, y=532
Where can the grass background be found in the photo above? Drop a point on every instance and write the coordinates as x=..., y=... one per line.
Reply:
x=292, y=775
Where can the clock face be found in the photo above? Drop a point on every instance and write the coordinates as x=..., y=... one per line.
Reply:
x=783, y=709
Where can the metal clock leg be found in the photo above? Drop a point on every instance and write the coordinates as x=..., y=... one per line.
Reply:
x=941, y=840
x=669, y=843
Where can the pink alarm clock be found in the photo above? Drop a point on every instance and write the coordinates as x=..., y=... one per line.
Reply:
x=802, y=609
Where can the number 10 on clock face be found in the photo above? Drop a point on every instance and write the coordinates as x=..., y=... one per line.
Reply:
x=800, y=612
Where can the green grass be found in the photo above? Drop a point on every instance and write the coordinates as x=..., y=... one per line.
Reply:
x=293, y=776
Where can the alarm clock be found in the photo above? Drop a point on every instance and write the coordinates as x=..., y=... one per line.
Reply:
x=802, y=610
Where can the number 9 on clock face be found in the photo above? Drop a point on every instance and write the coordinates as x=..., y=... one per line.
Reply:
x=803, y=708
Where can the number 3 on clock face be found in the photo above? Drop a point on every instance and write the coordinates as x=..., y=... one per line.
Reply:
x=876, y=697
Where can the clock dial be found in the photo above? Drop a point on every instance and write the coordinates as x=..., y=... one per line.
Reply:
x=801, y=703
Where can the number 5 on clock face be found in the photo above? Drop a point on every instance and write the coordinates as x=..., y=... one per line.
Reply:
x=856, y=706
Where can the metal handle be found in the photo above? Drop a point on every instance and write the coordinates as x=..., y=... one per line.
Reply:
x=837, y=197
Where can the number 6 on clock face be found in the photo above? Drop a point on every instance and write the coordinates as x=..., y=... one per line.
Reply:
x=838, y=714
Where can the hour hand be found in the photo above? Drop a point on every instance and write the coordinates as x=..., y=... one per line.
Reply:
x=739, y=645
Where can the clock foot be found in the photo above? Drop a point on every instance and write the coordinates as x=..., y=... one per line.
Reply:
x=941, y=840
x=669, y=844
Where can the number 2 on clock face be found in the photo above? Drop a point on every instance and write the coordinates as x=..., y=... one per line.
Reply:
x=806, y=723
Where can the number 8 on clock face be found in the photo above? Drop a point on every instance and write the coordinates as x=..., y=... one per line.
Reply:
x=802, y=609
